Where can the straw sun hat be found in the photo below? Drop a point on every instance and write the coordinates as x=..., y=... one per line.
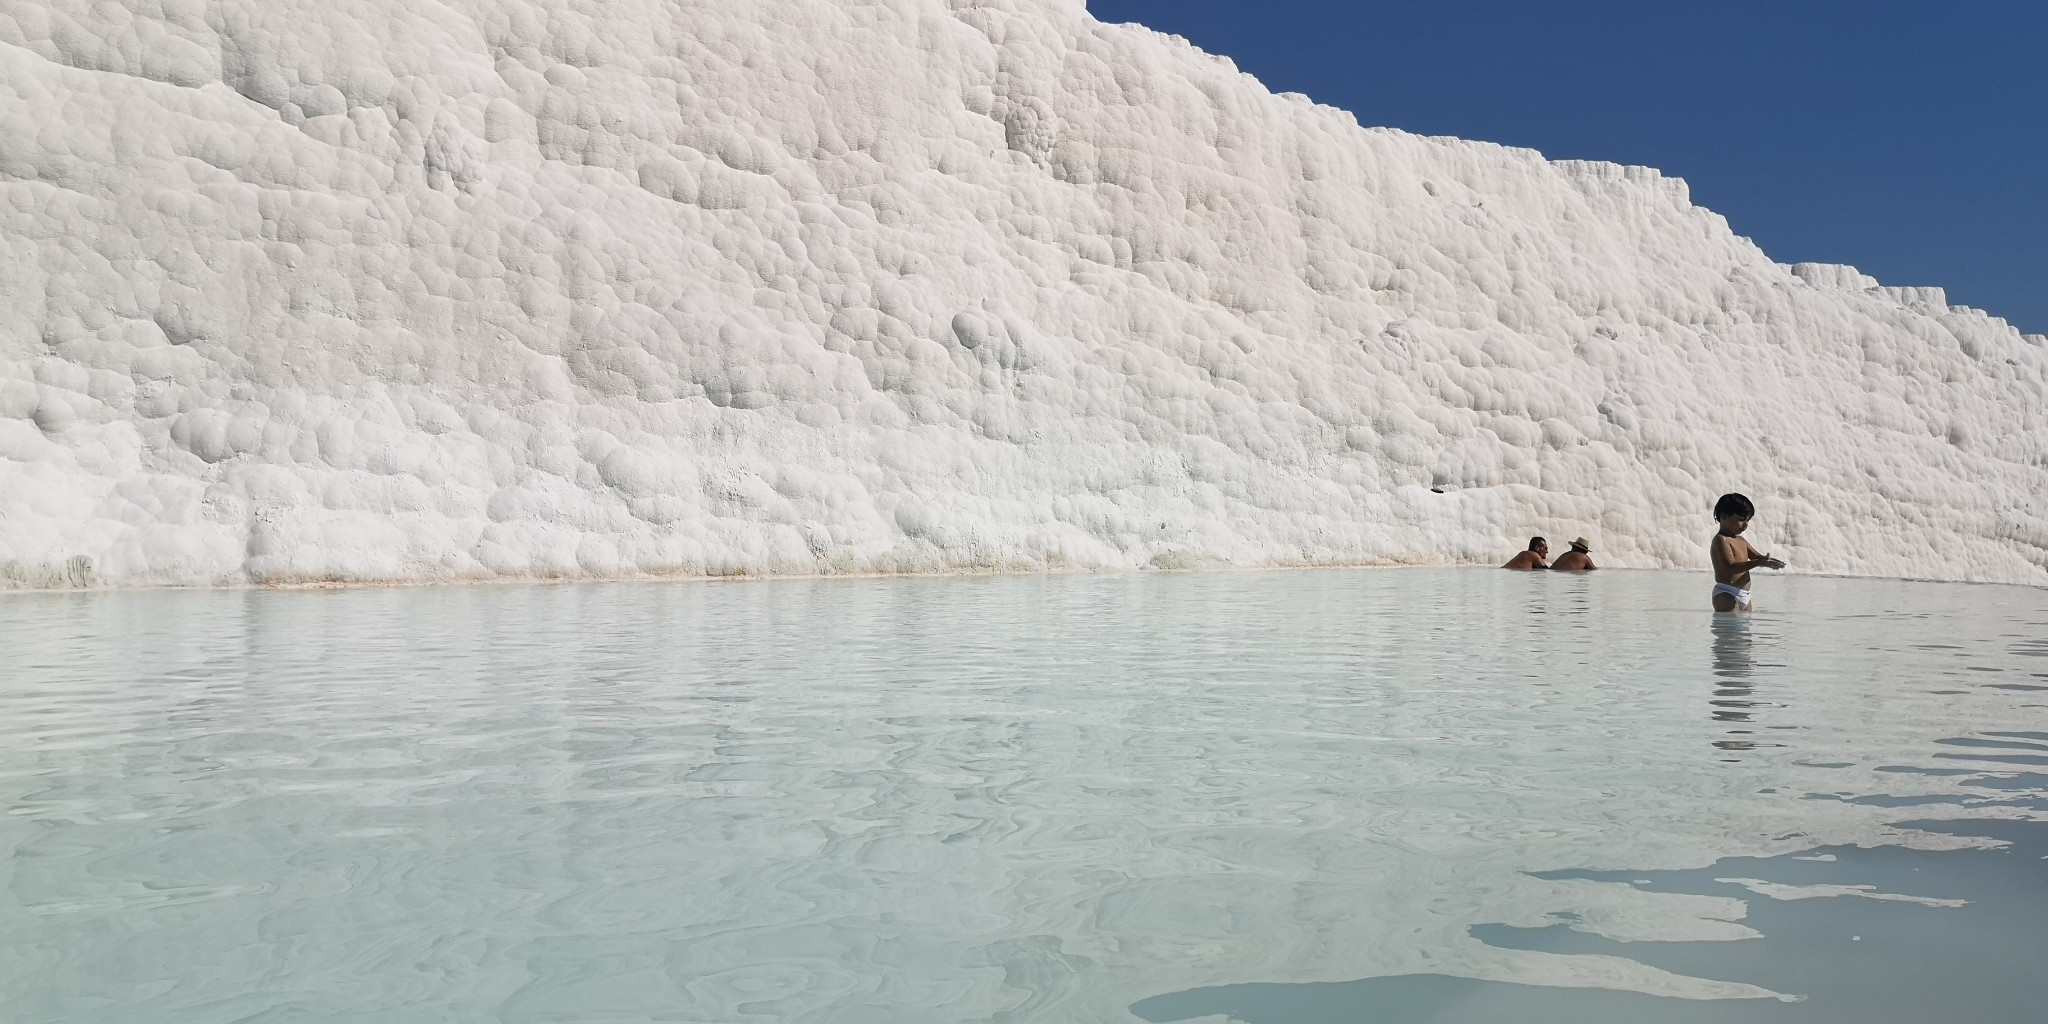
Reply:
x=1582, y=544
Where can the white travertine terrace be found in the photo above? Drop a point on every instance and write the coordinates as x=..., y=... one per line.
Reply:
x=368, y=291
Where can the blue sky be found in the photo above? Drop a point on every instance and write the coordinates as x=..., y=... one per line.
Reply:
x=1907, y=138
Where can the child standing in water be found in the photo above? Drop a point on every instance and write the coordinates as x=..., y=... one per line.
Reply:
x=1733, y=556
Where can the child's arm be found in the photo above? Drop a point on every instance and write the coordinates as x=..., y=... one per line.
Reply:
x=1756, y=561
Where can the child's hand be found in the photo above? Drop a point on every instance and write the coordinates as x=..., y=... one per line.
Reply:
x=1773, y=563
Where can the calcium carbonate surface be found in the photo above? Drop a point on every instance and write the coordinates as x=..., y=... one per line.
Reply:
x=359, y=290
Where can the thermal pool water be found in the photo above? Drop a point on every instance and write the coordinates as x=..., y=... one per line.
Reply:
x=1276, y=797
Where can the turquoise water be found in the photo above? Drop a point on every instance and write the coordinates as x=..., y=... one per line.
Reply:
x=1397, y=795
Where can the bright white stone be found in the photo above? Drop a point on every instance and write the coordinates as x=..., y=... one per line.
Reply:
x=359, y=290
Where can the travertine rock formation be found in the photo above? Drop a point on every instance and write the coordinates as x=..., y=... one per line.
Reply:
x=365, y=291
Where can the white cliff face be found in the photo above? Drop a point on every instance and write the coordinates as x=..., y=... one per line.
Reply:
x=368, y=291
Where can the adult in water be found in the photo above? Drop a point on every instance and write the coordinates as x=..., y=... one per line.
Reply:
x=1733, y=556
x=1577, y=559
x=1539, y=549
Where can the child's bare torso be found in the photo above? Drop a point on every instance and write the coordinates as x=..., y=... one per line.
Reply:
x=1731, y=556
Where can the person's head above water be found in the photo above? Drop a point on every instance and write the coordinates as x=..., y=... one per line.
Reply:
x=1536, y=556
x=1734, y=512
x=1732, y=504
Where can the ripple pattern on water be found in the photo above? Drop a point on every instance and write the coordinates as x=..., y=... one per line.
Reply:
x=1018, y=799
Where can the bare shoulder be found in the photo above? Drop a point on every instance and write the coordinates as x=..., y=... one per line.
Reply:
x=1722, y=547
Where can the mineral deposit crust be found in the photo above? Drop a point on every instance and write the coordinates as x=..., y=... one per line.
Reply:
x=359, y=290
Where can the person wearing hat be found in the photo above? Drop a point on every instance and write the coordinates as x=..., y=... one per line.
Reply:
x=1577, y=559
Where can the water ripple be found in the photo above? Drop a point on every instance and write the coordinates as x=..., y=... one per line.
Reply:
x=1020, y=799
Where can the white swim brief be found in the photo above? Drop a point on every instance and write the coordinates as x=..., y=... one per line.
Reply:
x=1740, y=595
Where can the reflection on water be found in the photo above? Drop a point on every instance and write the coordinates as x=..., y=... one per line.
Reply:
x=1945, y=925
x=1734, y=666
x=1019, y=799
x=1735, y=640
x=1857, y=935
x=1734, y=648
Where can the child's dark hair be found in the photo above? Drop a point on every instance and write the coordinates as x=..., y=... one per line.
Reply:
x=1733, y=505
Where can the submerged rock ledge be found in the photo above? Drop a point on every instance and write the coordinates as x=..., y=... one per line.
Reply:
x=381, y=292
